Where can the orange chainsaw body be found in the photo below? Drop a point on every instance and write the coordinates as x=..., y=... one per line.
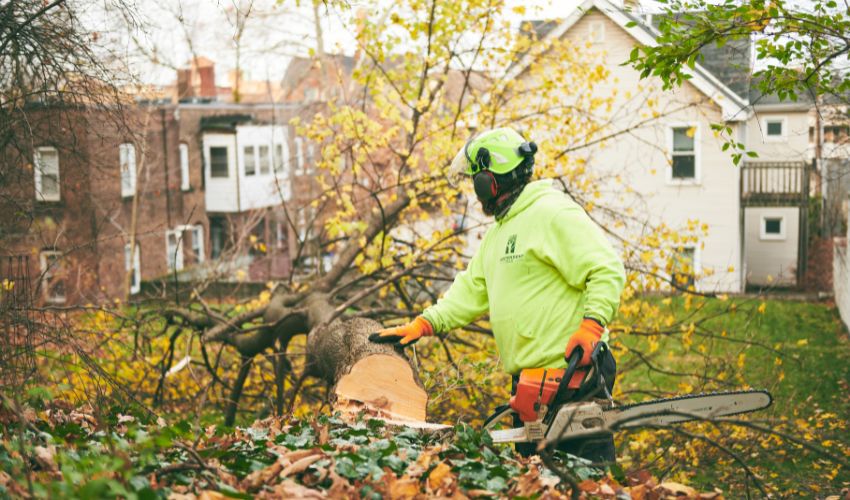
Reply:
x=537, y=387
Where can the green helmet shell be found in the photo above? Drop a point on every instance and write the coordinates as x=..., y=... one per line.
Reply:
x=503, y=147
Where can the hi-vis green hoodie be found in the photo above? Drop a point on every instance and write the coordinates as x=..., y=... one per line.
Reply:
x=540, y=269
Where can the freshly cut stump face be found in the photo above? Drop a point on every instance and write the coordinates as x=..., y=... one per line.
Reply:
x=385, y=383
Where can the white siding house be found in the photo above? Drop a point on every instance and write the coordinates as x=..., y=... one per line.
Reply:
x=675, y=164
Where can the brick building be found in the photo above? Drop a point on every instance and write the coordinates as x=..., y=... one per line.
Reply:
x=201, y=189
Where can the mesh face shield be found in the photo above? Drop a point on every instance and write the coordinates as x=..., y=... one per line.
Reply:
x=459, y=169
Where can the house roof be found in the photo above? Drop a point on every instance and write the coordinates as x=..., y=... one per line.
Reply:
x=733, y=105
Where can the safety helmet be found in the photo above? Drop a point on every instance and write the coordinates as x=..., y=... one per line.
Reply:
x=491, y=156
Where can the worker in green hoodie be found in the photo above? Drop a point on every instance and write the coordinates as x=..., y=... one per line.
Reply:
x=545, y=272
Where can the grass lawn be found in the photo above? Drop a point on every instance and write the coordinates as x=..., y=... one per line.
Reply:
x=798, y=351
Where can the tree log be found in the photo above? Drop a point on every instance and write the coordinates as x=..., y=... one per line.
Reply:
x=365, y=375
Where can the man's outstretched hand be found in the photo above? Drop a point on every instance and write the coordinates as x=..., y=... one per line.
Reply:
x=586, y=337
x=405, y=334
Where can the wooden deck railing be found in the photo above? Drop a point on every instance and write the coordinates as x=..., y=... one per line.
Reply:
x=774, y=182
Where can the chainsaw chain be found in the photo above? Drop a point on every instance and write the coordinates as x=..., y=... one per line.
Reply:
x=700, y=395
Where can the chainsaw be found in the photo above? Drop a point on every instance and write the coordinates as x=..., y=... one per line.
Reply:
x=556, y=404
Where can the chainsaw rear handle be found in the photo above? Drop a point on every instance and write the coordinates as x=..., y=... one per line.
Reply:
x=572, y=365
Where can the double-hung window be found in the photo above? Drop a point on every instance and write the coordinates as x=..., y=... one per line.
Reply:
x=299, y=156
x=265, y=160
x=127, y=161
x=174, y=249
x=133, y=265
x=184, y=167
x=47, y=174
x=219, y=164
x=684, y=267
x=52, y=277
x=684, y=154
x=250, y=160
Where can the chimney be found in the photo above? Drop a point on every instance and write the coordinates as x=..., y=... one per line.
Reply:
x=207, y=82
x=184, y=84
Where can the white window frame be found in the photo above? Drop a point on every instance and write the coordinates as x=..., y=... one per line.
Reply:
x=764, y=235
x=39, y=173
x=596, y=32
x=268, y=163
x=299, y=156
x=174, y=255
x=697, y=270
x=208, y=150
x=773, y=119
x=697, y=178
x=136, y=283
x=198, y=242
x=252, y=155
x=183, y=150
x=46, y=274
x=127, y=165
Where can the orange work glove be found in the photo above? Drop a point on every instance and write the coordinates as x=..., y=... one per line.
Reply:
x=404, y=334
x=586, y=337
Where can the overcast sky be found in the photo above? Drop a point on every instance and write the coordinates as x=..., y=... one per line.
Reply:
x=274, y=32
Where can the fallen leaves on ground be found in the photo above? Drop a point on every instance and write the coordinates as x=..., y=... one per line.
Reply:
x=73, y=454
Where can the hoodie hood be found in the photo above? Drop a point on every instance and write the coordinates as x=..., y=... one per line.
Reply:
x=532, y=192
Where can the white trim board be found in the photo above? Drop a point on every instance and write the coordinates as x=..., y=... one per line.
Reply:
x=734, y=108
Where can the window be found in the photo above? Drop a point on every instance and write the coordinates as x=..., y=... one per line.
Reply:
x=280, y=233
x=258, y=239
x=250, y=160
x=174, y=249
x=684, y=153
x=772, y=227
x=311, y=94
x=265, y=165
x=127, y=160
x=683, y=267
x=198, y=243
x=596, y=32
x=52, y=277
x=218, y=236
x=133, y=264
x=218, y=162
x=279, y=158
x=184, y=167
x=836, y=133
x=774, y=129
x=46, y=174
x=299, y=156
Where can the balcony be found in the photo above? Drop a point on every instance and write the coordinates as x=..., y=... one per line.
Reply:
x=767, y=184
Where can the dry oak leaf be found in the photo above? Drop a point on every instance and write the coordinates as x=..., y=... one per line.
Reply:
x=403, y=488
x=676, y=490
x=45, y=456
x=211, y=495
x=300, y=465
x=291, y=489
x=440, y=476
x=637, y=492
x=263, y=476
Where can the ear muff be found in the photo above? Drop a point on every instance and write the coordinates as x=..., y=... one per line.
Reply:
x=486, y=187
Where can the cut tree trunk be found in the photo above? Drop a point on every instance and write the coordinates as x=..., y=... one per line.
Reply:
x=364, y=375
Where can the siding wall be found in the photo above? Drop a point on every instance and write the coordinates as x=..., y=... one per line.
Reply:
x=771, y=262
x=640, y=159
x=794, y=146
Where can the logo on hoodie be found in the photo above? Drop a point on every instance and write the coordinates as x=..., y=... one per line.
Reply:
x=510, y=251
